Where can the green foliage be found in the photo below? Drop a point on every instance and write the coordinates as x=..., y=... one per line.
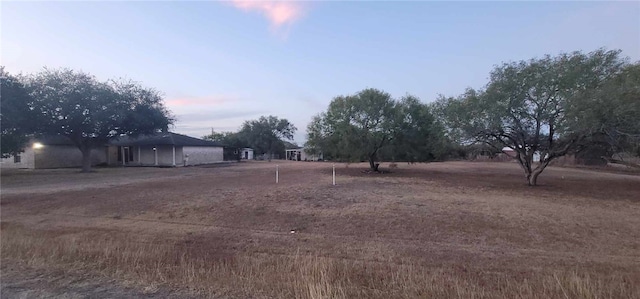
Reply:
x=266, y=134
x=89, y=112
x=16, y=117
x=218, y=136
x=535, y=106
x=611, y=114
x=371, y=125
x=460, y=117
x=417, y=136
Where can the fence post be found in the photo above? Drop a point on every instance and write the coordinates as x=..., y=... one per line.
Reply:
x=334, y=174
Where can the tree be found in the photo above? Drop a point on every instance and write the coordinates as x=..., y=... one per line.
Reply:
x=370, y=125
x=16, y=117
x=453, y=114
x=417, y=136
x=267, y=134
x=612, y=115
x=90, y=113
x=533, y=107
x=217, y=136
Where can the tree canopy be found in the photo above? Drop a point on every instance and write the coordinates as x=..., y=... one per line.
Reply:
x=370, y=125
x=89, y=112
x=536, y=107
x=611, y=114
x=267, y=134
x=16, y=116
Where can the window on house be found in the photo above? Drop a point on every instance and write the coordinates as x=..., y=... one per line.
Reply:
x=17, y=159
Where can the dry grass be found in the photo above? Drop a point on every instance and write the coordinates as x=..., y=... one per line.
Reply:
x=449, y=230
x=209, y=274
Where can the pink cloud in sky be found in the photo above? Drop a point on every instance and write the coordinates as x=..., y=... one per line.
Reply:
x=199, y=101
x=278, y=13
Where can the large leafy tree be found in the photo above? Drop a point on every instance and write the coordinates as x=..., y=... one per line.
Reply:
x=355, y=127
x=534, y=107
x=16, y=116
x=612, y=114
x=266, y=134
x=90, y=113
x=417, y=135
x=371, y=125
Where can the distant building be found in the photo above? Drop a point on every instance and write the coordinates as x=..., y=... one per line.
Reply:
x=163, y=149
x=246, y=153
x=160, y=149
x=302, y=154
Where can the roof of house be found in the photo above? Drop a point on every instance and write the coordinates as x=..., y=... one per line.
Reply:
x=164, y=138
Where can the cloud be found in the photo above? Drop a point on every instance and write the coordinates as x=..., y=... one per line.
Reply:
x=199, y=101
x=279, y=13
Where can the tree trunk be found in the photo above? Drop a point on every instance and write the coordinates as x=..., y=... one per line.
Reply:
x=532, y=178
x=526, y=166
x=86, y=159
x=373, y=165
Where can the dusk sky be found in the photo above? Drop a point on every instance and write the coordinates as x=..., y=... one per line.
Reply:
x=221, y=63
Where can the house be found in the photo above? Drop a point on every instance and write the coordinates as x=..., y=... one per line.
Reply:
x=160, y=149
x=51, y=152
x=163, y=149
x=302, y=154
x=509, y=154
x=246, y=153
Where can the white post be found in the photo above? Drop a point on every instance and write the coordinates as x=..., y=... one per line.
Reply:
x=122, y=147
x=174, y=155
x=276, y=174
x=139, y=160
x=155, y=155
x=334, y=174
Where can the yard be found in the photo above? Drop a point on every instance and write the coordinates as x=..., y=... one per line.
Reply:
x=444, y=230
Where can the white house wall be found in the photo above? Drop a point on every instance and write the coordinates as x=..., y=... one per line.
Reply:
x=203, y=154
x=147, y=155
x=26, y=160
x=249, y=153
x=112, y=155
x=165, y=155
x=309, y=157
x=61, y=156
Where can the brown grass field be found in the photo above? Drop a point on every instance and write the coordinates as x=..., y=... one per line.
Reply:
x=438, y=230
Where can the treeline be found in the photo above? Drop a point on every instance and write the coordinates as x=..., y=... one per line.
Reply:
x=547, y=107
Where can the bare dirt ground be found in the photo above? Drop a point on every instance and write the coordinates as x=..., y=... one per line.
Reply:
x=478, y=224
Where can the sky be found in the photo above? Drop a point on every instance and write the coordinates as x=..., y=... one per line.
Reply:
x=220, y=63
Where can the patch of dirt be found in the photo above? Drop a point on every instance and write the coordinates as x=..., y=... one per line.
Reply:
x=479, y=216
